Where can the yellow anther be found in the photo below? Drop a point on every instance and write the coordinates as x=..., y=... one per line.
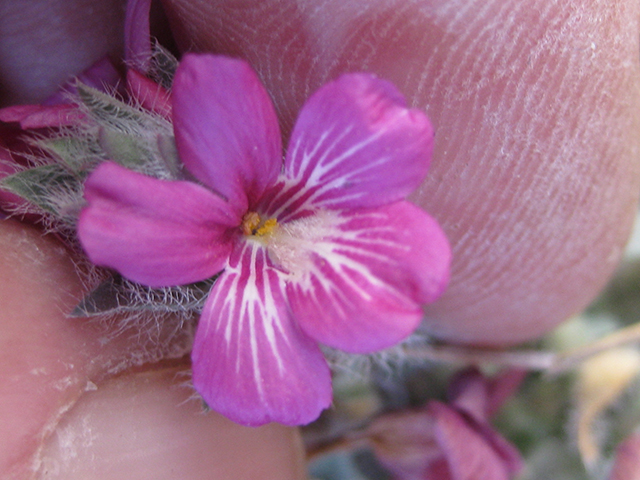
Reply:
x=250, y=222
x=268, y=227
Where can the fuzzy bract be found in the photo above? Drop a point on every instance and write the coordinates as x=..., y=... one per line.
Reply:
x=320, y=247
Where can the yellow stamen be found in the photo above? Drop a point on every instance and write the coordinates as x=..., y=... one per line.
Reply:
x=252, y=224
x=268, y=227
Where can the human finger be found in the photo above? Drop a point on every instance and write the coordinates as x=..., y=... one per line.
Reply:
x=535, y=174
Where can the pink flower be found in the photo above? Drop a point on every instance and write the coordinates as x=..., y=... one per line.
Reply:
x=626, y=464
x=319, y=249
x=450, y=441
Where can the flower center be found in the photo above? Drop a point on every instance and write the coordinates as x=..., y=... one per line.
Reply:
x=252, y=224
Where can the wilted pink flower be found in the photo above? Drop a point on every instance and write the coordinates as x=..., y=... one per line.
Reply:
x=450, y=441
x=319, y=249
x=57, y=110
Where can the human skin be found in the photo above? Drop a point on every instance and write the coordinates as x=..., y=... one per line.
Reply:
x=536, y=107
x=534, y=178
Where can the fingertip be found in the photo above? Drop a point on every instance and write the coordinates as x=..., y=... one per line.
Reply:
x=535, y=176
x=150, y=425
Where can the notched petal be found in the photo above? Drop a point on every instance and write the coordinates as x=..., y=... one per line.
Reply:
x=356, y=144
x=250, y=361
x=468, y=455
x=226, y=128
x=357, y=279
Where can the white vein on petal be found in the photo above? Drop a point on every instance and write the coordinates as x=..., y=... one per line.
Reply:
x=275, y=320
x=321, y=170
x=299, y=167
x=287, y=185
x=250, y=300
x=248, y=306
x=298, y=244
x=338, y=182
x=312, y=175
x=316, y=180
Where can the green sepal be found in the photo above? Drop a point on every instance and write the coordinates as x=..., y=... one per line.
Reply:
x=40, y=185
x=131, y=137
x=119, y=295
x=76, y=154
x=122, y=148
x=112, y=113
x=168, y=153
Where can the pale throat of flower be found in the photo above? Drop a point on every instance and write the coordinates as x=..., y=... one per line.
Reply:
x=291, y=245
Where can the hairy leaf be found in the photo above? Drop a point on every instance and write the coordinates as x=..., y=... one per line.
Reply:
x=42, y=186
x=118, y=295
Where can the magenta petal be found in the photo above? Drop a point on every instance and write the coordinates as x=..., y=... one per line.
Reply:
x=358, y=145
x=437, y=470
x=467, y=453
x=154, y=232
x=364, y=275
x=627, y=460
x=250, y=362
x=502, y=388
x=137, y=36
x=102, y=75
x=39, y=116
x=469, y=392
x=511, y=458
x=226, y=129
x=149, y=94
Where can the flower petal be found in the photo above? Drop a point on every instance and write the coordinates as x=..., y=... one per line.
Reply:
x=510, y=456
x=627, y=459
x=469, y=392
x=358, y=145
x=502, y=387
x=137, y=35
x=102, y=75
x=154, y=232
x=250, y=362
x=467, y=453
x=226, y=129
x=41, y=116
x=358, y=278
x=148, y=93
